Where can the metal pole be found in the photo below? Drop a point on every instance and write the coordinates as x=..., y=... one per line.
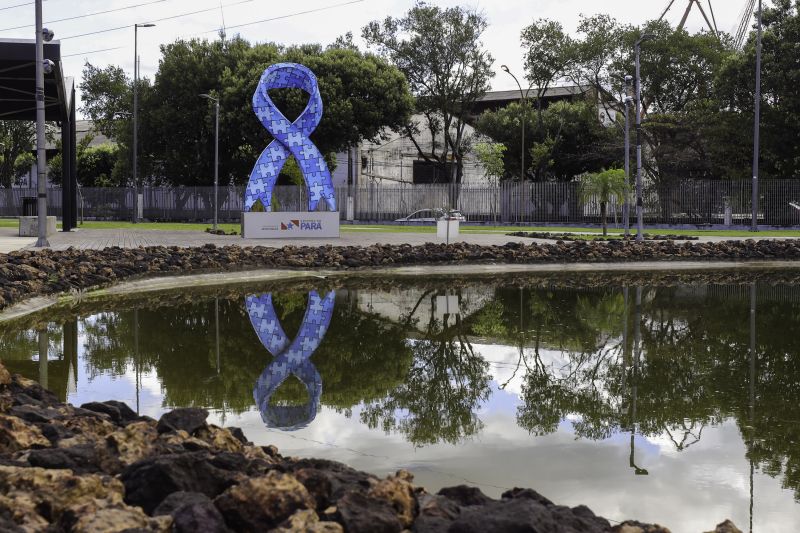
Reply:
x=135, y=121
x=639, y=214
x=216, y=165
x=626, y=206
x=757, y=126
x=41, y=158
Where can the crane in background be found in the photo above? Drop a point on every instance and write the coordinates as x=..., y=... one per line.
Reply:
x=710, y=22
x=742, y=28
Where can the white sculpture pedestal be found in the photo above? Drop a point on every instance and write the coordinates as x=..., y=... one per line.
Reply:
x=290, y=225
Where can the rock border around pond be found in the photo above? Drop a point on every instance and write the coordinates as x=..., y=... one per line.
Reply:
x=595, y=237
x=27, y=273
x=103, y=468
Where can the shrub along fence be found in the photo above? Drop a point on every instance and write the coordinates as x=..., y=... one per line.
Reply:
x=693, y=202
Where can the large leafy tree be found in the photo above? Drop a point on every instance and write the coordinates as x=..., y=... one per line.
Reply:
x=441, y=54
x=16, y=143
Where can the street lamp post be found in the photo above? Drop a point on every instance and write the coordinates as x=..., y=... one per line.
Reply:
x=136, y=117
x=639, y=202
x=216, y=153
x=757, y=127
x=524, y=101
x=626, y=206
x=41, y=158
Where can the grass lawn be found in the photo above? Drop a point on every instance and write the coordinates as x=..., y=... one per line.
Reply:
x=391, y=228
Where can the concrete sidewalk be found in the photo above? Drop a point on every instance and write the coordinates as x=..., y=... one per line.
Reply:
x=132, y=238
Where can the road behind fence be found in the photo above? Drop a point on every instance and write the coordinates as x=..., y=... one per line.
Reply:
x=688, y=202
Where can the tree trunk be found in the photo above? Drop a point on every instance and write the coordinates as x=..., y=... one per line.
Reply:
x=603, y=217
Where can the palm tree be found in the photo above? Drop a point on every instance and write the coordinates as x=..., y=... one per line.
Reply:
x=604, y=187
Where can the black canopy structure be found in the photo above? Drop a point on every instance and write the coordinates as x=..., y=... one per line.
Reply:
x=17, y=102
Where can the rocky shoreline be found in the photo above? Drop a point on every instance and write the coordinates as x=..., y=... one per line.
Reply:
x=25, y=274
x=103, y=468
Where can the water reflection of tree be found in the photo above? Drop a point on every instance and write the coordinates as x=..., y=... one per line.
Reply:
x=442, y=390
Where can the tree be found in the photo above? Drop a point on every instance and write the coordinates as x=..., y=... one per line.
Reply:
x=441, y=54
x=571, y=141
x=490, y=156
x=16, y=144
x=604, y=187
x=548, y=53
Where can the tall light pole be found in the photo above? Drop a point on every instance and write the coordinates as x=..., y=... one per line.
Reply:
x=216, y=152
x=757, y=127
x=136, y=117
x=639, y=202
x=42, y=34
x=524, y=102
x=626, y=206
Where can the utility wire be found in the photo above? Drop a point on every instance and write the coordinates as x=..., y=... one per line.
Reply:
x=95, y=51
x=127, y=26
x=316, y=10
x=87, y=15
x=215, y=30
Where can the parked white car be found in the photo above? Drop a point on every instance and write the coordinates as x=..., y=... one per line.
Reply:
x=432, y=215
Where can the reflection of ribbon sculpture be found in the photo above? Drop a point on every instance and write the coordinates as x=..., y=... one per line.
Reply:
x=290, y=358
x=291, y=138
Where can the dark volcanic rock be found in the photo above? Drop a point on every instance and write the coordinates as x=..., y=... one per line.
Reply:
x=119, y=412
x=149, y=481
x=81, y=459
x=192, y=512
x=524, y=516
x=189, y=419
x=464, y=495
x=361, y=514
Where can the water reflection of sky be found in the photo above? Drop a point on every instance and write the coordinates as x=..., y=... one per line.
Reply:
x=707, y=483
x=372, y=354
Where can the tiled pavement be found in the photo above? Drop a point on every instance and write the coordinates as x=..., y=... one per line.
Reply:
x=132, y=238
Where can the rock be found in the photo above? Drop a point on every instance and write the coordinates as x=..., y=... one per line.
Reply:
x=5, y=376
x=263, y=502
x=464, y=495
x=726, y=527
x=188, y=419
x=199, y=517
x=149, y=481
x=16, y=435
x=436, y=513
x=133, y=442
x=307, y=521
x=361, y=514
x=339, y=479
x=118, y=519
x=81, y=459
x=219, y=438
x=119, y=412
x=192, y=512
x=523, y=515
x=35, y=496
x=633, y=526
x=33, y=413
x=398, y=492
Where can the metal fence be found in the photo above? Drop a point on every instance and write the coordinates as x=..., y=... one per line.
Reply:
x=690, y=202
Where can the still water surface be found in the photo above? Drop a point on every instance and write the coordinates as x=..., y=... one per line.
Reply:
x=670, y=403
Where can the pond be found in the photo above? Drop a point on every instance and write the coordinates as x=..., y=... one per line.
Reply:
x=667, y=399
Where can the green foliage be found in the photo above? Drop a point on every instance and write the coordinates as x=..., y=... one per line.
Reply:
x=604, y=187
x=17, y=138
x=569, y=140
x=441, y=54
x=491, y=157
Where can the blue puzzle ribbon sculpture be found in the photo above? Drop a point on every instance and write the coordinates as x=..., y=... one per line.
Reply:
x=291, y=138
x=290, y=358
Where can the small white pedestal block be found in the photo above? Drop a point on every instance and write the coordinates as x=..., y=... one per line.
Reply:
x=29, y=226
x=290, y=225
x=447, y=229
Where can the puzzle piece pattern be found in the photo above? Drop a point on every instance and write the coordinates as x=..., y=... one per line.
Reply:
x=290, y=358
x=290, y=138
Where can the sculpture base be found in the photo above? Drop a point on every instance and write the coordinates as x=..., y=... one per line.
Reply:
x=290, y=225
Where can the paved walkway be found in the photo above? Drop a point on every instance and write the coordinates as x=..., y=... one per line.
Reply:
x=133, y=238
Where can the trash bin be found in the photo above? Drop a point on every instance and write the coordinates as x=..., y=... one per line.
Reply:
x=29, y=206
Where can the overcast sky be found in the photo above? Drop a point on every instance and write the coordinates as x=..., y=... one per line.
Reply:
x=506, y=19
